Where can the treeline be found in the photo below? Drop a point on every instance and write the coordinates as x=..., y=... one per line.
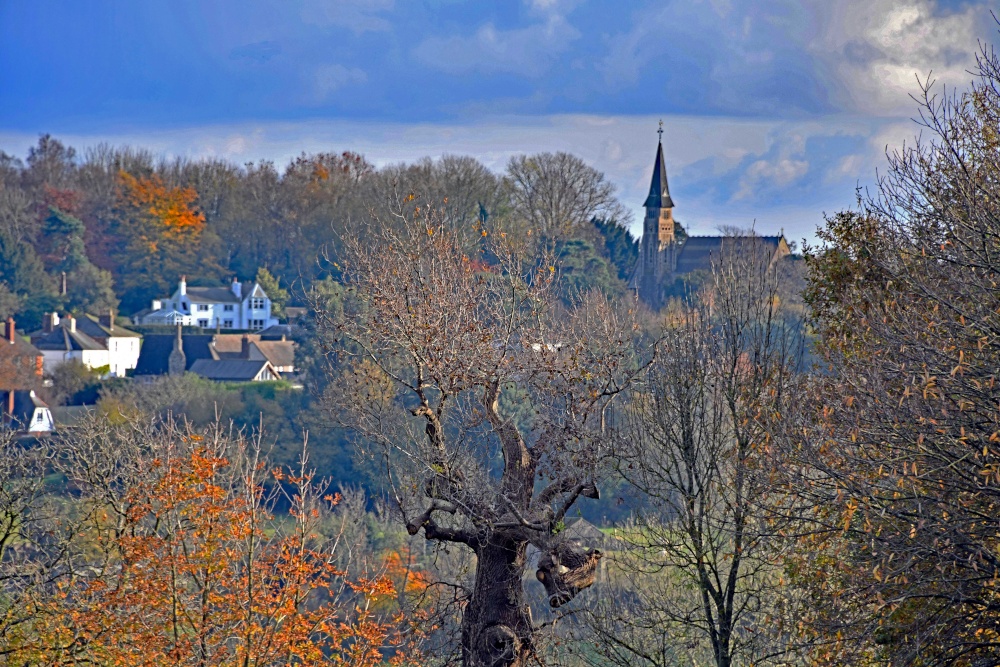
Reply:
x=116, y=226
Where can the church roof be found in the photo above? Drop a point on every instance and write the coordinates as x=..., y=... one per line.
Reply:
x=698, y=252
x=659, y=191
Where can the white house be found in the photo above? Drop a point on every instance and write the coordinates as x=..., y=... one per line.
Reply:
x=65, y=343
x=242, y=306
x=85, y=339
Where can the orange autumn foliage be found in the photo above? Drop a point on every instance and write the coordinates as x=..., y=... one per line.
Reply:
x=174, y=208
x=198, y=572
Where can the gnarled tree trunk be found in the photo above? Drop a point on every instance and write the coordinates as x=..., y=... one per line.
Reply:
x=496, y=627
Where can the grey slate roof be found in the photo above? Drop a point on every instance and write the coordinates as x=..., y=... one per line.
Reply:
x=659, y=191
x=211, y=295
x=229, y=370
x=64, y=340
x=91, y=325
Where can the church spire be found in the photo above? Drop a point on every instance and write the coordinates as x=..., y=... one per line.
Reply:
x=659, y=191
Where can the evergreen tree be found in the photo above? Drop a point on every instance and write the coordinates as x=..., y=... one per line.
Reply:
x=622, y=248
x=275, y=292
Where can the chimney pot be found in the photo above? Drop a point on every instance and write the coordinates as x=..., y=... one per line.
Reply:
x=10, y=330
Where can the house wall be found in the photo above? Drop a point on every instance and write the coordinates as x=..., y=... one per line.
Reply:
x=262, y=316
x=123, y=354
x=51, y=359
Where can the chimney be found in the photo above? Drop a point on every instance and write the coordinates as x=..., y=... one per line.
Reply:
x=245, y=347
x=177, y=361
x=10, y=406
x=10, y=330
x=236, y=288
x=72, y=323
x=108, y=321
x=182, y=287
x=50, y=321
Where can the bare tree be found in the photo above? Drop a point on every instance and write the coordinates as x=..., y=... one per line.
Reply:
x=487, y=407
x=554, y=193
x=698, y=579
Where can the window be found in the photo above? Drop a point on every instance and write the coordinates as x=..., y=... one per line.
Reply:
x=256, y=304
x=203, y=324
x=203, y=307
x=228, y=308
x=228, y=324
x=256, y=324
x=184, y=306
x=39, y=416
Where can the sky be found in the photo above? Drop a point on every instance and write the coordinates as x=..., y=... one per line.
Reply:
x=775, y=111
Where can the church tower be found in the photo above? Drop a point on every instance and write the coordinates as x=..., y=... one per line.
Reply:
x=658, y=247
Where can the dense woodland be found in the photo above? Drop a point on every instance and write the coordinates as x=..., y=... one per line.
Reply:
x=779, y=476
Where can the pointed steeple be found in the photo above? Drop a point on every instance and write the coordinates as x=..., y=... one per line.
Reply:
x=659, y=192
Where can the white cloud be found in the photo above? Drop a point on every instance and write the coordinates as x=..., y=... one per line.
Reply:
x=357, y=15
x=879, y=48
x=529, y=51
x=768, y=173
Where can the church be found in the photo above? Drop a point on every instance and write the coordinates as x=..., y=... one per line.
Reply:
x=666, y=253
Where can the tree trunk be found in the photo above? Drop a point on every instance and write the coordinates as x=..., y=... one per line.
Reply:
x=496, y=628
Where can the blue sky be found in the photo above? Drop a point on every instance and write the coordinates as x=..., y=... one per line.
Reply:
x=774, y=110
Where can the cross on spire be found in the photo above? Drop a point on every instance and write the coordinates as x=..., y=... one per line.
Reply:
x=660, y=131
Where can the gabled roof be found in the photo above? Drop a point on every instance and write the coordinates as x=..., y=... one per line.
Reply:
x=281, y=353
x=61, y=339
x=659, y=191
x=231, y=370
x=154, y=355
